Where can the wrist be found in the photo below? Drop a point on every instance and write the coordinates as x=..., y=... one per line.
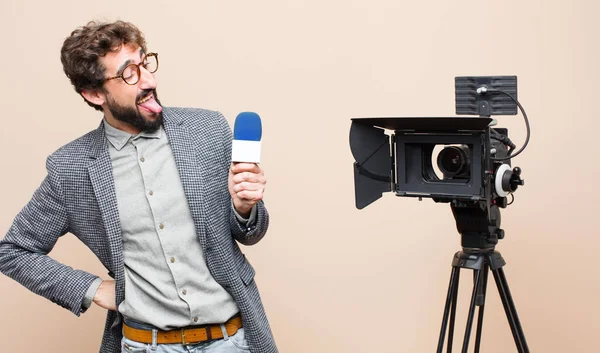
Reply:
x=91, y=293
x=242, y=210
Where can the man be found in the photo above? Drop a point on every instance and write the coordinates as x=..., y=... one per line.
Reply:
x=153, y=194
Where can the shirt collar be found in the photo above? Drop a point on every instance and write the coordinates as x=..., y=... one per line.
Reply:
x=119, y=138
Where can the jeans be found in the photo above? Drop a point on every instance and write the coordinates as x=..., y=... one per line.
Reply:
x=229, y=344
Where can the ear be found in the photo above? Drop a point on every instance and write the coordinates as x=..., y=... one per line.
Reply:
x=95, y=97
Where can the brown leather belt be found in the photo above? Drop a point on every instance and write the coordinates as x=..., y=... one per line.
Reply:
x=185, y=335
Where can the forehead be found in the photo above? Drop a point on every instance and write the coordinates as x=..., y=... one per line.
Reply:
x=113, y=61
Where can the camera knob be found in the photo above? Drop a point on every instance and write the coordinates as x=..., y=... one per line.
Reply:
x=515, y=179
x=502, y=180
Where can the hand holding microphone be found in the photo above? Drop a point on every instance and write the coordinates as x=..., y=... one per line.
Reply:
x=246, y=178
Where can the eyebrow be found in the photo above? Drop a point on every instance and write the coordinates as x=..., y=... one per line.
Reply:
x=129, y=61
x=122, y=67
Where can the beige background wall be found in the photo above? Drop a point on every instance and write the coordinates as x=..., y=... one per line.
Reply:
x=335, y=279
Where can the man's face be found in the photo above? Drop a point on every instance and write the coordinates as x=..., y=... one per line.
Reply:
x=132, y=108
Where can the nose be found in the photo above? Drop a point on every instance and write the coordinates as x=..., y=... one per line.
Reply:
x=147, y=81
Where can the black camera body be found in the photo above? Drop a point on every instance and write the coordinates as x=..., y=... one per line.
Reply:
x=463, y=160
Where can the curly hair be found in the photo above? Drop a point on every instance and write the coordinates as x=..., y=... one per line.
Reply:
x=82, y=49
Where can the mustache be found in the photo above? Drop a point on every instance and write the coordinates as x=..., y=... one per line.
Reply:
x=144, y=94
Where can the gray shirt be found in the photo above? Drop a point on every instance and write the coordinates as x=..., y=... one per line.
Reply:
x=167, y=282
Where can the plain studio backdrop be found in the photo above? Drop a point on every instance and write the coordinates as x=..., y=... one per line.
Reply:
x=334, y=278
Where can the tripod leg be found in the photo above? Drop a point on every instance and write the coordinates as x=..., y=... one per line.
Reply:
x=478, y=279
x=511, y=311
x=453, y=313
x=481, y=308
x=450, y=299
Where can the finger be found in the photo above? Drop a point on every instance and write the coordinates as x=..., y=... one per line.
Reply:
x=248, y=186
x=245, y=167
x=248, y=177
x=250, y=195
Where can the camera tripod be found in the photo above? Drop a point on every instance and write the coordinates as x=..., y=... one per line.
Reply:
x=480, y=261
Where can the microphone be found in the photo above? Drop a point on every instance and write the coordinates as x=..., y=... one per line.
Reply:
x=247, y=132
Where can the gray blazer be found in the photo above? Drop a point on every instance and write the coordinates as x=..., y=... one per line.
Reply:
x=78, y=196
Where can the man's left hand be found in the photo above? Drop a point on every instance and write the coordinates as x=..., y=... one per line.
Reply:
x=246, y=186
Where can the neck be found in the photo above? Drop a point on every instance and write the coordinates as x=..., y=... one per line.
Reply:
x=117, y=124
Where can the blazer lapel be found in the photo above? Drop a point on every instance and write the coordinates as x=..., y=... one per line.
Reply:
x=189, y=169
x=101, y=177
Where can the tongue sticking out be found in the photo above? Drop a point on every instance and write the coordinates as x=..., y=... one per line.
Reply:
x=151, y=105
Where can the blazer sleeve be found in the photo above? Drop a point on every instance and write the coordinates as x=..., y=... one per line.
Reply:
x=34, y=232
x=253, y=232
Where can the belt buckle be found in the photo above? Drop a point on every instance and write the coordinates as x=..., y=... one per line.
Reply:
x=208, y=335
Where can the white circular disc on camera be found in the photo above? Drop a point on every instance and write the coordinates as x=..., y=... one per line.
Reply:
x=498, y=180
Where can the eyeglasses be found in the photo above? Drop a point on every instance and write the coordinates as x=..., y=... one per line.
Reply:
x=131, y=73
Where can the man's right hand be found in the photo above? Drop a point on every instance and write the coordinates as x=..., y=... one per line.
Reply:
x=105, y=295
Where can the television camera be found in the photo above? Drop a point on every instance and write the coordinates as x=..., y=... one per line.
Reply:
x=464, y=161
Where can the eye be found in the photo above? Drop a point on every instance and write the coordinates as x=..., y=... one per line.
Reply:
x=129, y=72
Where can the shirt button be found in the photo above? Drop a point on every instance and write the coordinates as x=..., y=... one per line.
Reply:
x=172, y=259
x=161, y=226
x=150, y=193
x=142, y=159
x=195, y=319
x=184, y=292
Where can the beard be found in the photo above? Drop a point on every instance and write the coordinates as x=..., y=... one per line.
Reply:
x=132, y=115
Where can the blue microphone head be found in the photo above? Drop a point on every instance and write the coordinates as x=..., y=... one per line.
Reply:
x=247, y=127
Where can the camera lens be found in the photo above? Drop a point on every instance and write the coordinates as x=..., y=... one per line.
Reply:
x=454, y=161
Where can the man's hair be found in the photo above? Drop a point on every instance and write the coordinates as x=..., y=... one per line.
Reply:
x=82, y=50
